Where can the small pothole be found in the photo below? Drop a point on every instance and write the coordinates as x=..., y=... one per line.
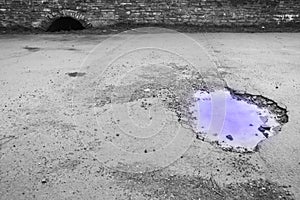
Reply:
x=76, y=74
x=32, y=49
x=236, y=121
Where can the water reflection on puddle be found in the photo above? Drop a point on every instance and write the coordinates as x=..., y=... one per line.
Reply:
x=231, y=122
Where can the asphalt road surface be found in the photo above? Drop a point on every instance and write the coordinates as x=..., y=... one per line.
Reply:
x=103, y=116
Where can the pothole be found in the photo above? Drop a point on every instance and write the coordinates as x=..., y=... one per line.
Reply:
x=75, y=74
x=223, y=117
x=32, y=49
x=235, y=121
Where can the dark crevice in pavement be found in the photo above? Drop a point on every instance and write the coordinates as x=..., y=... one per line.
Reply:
x=32, y=49
x=76, y=74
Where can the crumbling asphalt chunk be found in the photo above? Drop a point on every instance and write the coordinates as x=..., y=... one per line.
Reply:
x=263, y=102
x=229, y=137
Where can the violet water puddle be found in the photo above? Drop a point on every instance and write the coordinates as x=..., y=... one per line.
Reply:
x=236, y=121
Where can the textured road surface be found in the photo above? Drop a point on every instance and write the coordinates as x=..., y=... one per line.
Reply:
x=111, y=131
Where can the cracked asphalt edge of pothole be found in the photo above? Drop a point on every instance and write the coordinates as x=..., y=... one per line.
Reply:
x=175, y=99
x=178, y=103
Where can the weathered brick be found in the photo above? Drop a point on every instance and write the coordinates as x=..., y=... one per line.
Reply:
x=36, y=13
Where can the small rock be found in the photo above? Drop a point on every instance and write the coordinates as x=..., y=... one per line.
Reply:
x=261, y=129
x=229, y=137
x=44, y=181
x=277, y=129
x=264, y=119
x=266, y=134
x=266, y=127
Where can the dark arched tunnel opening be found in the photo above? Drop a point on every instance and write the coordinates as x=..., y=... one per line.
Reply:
x=65, y=24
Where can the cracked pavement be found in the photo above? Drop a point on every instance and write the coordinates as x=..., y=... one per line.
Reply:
x=111, y=131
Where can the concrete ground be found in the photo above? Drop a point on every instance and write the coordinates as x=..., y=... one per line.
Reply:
x=113, y=130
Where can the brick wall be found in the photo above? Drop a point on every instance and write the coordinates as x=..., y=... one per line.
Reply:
x=40, y=13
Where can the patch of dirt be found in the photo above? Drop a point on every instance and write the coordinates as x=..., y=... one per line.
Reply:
x=175, y=94
x=157, y=185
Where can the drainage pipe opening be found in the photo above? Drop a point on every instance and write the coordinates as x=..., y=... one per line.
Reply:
x=65, y=24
